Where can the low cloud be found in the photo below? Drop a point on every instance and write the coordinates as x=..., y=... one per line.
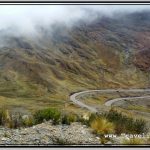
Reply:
x=24, y=18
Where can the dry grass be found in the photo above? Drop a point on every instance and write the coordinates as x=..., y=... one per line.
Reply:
x=139, y=108
x=102, y=126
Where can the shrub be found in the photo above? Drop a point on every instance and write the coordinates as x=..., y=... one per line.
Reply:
x=68, y=119
x=92, y=117
x=83, y=121
x=88, y=121
x=14, y=120
x=124, y=124
x=140, y=126
x=47, y=114
x=102, y=126
x=28, y=121
x=6, y=118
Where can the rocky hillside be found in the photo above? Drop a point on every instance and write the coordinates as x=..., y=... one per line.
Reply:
x=43, y=69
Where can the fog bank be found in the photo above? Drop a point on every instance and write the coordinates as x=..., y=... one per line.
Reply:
x=24, y=18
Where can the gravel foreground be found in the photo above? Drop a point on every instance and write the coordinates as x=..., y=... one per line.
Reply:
x=48, y=134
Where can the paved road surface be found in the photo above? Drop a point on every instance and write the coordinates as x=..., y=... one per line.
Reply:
x=75, y=98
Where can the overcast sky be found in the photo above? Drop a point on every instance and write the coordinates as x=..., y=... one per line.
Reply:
x=26, y=17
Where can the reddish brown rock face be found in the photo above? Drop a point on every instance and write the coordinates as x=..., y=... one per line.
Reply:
x=142, y=60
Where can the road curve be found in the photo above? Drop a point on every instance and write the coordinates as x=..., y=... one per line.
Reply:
x=75, y=98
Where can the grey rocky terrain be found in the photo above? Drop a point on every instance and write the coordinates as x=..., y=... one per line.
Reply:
x=48, y=134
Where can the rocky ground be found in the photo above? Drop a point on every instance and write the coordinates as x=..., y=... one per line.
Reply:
x=48, y=134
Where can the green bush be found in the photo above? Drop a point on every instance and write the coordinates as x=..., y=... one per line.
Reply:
x=68, y=119
x=47, y=114
x=125, y=124
x=83, y=121
x=140, y=126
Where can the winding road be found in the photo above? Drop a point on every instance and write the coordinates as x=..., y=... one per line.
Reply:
x=75, y=98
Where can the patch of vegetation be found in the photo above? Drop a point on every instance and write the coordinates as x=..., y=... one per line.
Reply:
x=133, y=141
x=17, y=120
x=114, y=122
x=124, y=124
x=139, y=108
x=28, y=121
x=68, y=119
x=47, y=114
x=14, y=121
x=101, y=127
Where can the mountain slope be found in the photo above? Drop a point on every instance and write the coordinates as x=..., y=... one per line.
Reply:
x=44, y=69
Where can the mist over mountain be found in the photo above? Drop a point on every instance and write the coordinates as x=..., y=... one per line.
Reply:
x=45, y=56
